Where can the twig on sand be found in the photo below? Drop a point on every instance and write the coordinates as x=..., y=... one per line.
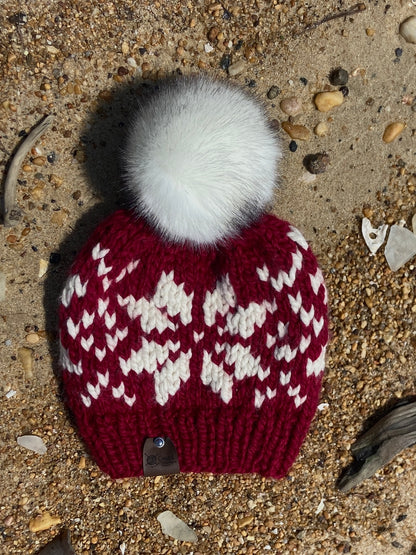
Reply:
x=357, y=8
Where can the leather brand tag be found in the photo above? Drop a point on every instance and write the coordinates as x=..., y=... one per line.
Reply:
x=159, y=457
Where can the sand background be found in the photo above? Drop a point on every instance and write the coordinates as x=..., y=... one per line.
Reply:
x=82, y=61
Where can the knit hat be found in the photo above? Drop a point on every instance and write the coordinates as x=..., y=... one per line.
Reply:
x=191, y=321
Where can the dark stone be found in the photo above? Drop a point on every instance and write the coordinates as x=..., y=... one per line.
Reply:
x=338, y=76
x=51, y=157
x=225, y=62
x=316, y=163
x=273, y=92
x=19, y=18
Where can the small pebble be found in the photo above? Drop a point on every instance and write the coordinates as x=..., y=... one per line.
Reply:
x=296, y=131
x=338, y=76
x=19, y=18
x=368, y=212
x=273, y=92
x=321, y=129
x=392, y=131
x=225, y=62
x=55, y=180
x=132, y=62
x=59, y=217
x=370, y=32
x=325, y=101
x=212, y=34
x=43, y=522
x=345, y=91
x=105, y=95
x=408, y=29
x=245, y=521
x=51, y=157
x=25, y=356
x=236, y=68
x=291, y=106
x=8, y=521
x=293, y=146
x=32, y=338
x=316, y=163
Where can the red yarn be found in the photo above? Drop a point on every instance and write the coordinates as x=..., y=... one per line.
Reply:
x=222, y=350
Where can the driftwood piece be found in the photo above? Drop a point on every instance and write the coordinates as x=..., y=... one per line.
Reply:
x=377, y=447
x=400, y=421
x=11, y=213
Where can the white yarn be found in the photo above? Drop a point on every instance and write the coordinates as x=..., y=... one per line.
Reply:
x=201, y=160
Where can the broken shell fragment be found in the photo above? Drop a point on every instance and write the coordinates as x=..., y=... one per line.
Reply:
x=33, y=443
x=392, y=131
x=400, y=247
x=43, y=267
x=175, y=527
x=373, y=237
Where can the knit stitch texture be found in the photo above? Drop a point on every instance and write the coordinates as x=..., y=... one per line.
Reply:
x=220, y=349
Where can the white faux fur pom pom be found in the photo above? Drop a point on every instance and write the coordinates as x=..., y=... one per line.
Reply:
x=201, y=160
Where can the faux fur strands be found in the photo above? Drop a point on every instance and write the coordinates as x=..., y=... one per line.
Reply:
x=201, y=160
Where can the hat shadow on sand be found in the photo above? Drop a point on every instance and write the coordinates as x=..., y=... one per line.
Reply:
x=103, y=137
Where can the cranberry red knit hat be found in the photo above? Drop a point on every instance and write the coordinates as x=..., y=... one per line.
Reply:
x=209, y=332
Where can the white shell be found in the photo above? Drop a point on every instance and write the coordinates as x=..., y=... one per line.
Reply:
x=400, y=248
x=175, y=527
x=33, y=443
x=373, y=243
